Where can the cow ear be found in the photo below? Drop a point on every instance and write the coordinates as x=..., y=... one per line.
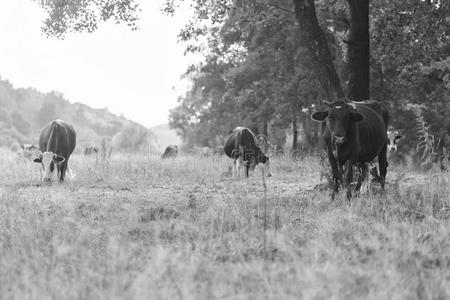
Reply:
x=319, y=116
x=356, y=117
x=398, y=136
x=59, y=159
x=38, y=159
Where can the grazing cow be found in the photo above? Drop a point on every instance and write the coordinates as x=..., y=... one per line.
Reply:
x=57, y=142
x=171, y=152
x=29, y=150
x=354, y=134
x=241, y=145
x=90, y=150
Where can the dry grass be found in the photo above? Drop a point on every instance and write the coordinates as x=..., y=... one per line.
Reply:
x=138, y=227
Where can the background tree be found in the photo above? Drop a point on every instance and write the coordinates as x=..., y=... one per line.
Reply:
x=85, y=15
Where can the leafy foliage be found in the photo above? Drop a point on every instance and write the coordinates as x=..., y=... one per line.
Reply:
x=256, y=72
x=250, y=75
x=85, y=15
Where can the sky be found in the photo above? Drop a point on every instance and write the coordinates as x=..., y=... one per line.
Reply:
x=133, y=73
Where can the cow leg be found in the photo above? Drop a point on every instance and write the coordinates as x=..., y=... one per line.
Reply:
x=62, y=170
x=335, y=172
x=347, y=177
x=236, y=167
x=361, y=177
x=382, y=165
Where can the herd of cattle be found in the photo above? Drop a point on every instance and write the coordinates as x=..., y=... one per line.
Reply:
x=355, y=134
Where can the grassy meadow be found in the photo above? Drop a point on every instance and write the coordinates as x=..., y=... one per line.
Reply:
x=138, y=227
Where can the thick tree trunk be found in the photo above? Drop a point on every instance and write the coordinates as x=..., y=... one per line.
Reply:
x=314, y=40
x=294, y=133
x=358, y=88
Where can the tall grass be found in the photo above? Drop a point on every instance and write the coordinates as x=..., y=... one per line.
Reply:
x=138, y=227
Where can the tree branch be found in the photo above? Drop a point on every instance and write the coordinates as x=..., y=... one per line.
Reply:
x=280, y=8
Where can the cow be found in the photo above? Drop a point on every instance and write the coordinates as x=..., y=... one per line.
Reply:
x=170, y=152
x=29, y=150
x=241, y=145
x=56, y=142
x=90, y=150
x=393, y=136
x=354, y=134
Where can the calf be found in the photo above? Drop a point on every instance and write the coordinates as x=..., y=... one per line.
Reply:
x=57, y=142
x=354, y=134
x=241, y=145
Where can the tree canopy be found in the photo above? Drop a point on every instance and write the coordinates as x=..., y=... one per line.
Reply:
x=85, y=15
x=268, y=64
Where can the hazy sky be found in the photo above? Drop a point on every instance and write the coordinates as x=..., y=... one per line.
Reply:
x=134, y=73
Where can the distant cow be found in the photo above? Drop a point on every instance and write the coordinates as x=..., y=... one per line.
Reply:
x=29, y=150
x=206, y=151
x=171, y=152
x=393, y=136
x=57, y=142
x=241, y=145
x=354, y=134
x=218, y=150
x=90, y=150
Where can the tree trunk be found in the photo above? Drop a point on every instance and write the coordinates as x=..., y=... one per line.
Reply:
x=294, y=133
x=358, y=51
x=314, y=40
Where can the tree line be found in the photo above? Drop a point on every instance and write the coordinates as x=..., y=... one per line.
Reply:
x=268, y=64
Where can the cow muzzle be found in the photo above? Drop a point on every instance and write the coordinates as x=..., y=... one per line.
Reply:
x=339, y=140
x=392, y=148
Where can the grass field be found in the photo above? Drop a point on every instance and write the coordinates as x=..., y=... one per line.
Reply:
x=138, y=227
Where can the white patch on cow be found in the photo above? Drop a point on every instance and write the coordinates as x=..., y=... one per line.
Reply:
x=239, y=167
x=49, y=165
x=48, y=174
x=338, y=106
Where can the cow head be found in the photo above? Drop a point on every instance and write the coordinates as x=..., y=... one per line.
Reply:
x=393, y=136
x=339, y=117
x=50, y=163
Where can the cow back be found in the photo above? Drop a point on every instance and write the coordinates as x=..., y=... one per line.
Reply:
x=240, y=136
x=58, y=137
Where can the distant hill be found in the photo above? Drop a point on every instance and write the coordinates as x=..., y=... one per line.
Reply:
x=24, y=112
x=164, y=136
